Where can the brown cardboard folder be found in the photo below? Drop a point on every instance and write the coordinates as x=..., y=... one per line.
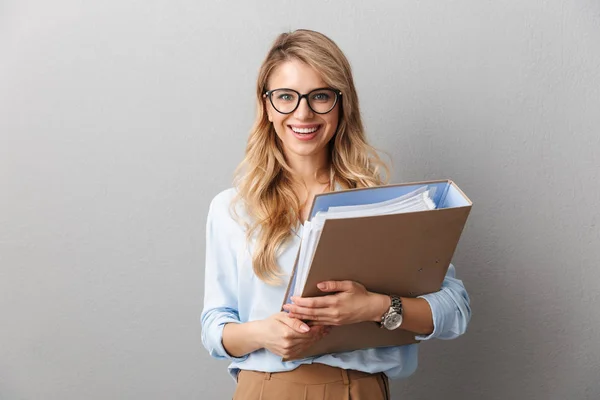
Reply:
x=406, y=254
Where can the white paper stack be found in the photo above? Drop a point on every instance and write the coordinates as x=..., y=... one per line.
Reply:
x=417, y=200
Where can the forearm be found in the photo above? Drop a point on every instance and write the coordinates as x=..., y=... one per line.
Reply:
x=416, y=316
x=240, y=339
x=416, y=313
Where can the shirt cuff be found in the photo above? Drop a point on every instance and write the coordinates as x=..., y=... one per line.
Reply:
x=441, y=312
x=217, y=350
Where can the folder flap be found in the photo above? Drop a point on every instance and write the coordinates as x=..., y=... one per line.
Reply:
x=406, y=254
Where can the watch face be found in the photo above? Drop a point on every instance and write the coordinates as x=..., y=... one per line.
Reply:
x=393, y=321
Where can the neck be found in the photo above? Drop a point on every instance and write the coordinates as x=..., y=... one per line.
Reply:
x=312, y=171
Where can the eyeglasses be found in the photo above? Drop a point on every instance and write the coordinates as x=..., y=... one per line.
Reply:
x=286, y=101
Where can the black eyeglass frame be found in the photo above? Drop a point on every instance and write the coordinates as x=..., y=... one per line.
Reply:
x=337, y=93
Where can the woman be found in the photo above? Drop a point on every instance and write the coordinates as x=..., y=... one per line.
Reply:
x=308, y=138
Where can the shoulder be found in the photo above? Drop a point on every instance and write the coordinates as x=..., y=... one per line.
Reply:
x=220, y=209
x=222, y=201
x=220, y=206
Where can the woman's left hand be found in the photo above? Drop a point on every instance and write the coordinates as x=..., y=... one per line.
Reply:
x=350, y=304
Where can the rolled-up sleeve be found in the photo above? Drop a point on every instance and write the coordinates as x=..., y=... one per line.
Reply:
x=450, y=307
x=220, y=281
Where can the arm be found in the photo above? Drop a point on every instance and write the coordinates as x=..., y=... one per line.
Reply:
x=450, y=307
x=220, y=282
x=444, y=314
x=242, y=339
x=223, y=334
x=279, y=334
x=416, y=313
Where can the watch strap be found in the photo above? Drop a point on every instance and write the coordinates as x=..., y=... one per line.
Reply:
x=395, y=307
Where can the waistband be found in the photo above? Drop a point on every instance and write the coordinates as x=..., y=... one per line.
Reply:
x=314, y=373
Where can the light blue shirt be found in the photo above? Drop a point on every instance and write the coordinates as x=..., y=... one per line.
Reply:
x=233, y=294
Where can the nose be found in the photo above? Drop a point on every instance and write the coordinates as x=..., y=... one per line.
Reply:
x=303, y=111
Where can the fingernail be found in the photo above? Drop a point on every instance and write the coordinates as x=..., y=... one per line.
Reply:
x=321, y=285
x=304, y=328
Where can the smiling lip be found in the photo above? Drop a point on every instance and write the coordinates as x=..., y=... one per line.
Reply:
x=304, y=128
x=305, y=132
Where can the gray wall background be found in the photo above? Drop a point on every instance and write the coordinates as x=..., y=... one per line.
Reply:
x=120, y=120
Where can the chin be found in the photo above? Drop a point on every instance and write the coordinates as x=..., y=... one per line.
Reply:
x=301, y=153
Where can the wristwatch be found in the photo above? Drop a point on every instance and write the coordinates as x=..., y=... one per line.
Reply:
x=392, y=319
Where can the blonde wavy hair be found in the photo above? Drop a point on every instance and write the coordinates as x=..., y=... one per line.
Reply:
x=264, y=180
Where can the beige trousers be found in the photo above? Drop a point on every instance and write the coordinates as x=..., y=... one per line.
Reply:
x=312, y=382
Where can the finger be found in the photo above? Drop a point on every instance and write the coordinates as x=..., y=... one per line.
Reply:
x=336, y=286
x=298, y=344
x=295, y=337
x=319, y=323
x=299, y=347
x=316, y=329
x=312, y=313
x=297, y=341
x=296, y=350
x=327, y=321
x=314, y=302
x=318, y=319
x=295, y=324
x=319, y=326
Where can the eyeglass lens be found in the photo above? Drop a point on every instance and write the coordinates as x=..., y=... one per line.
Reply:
x=320, y=101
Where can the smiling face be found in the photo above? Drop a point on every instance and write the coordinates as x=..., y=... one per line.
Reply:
x=304, y=133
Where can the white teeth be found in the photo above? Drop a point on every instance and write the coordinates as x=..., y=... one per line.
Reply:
x=305, y=130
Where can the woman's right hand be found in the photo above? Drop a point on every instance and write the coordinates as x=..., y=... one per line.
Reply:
x=287, y=336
